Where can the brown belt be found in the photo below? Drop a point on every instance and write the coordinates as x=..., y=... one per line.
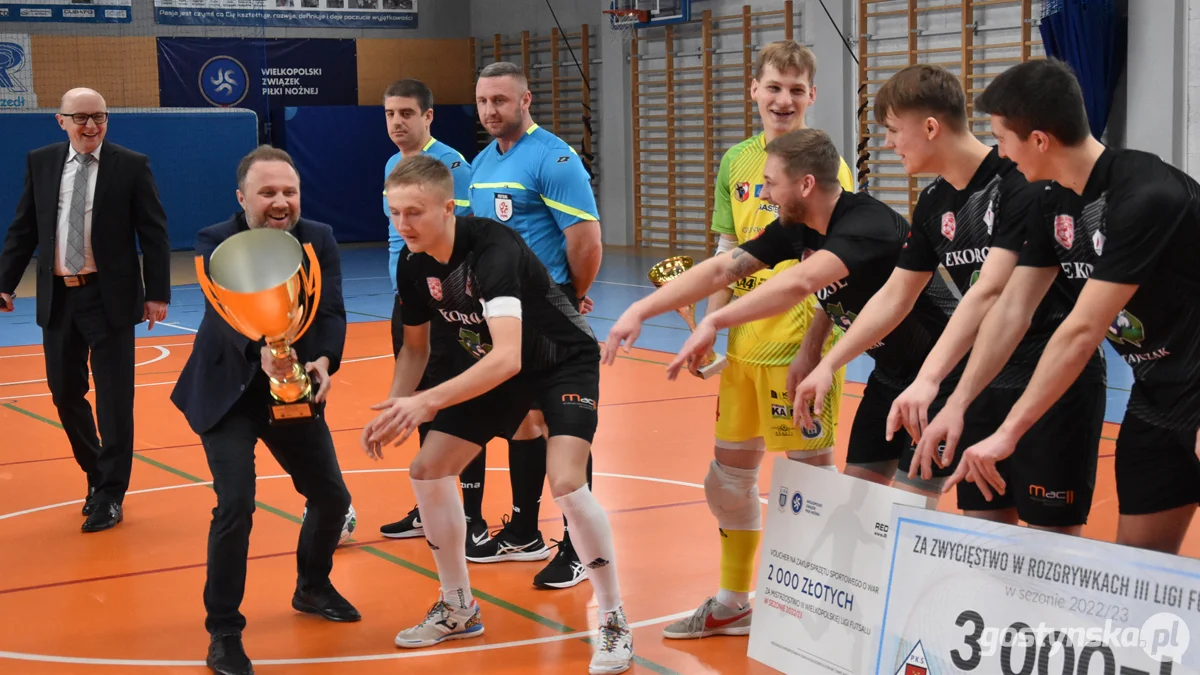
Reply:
x=78, y=280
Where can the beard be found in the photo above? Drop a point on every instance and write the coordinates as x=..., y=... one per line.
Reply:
x=793, y=215
x=508, y=127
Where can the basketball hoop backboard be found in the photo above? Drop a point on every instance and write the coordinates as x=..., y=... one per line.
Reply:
x=658, y=12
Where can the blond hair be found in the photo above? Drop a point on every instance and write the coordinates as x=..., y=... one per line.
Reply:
x=787, y=55
x=422, y=170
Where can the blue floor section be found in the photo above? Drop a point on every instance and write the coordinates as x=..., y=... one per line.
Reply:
x=622, y=280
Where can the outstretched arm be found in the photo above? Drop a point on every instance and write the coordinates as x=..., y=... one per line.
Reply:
x=1069, y=350
x=879, y=317
x=779, y=293
x=911, y=409
x=691, y=286
x=401, y=416
x=782, y=291
x=999, y=335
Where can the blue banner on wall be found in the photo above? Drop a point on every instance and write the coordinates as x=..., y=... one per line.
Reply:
x=67, y=11
x=341, y=174
x=314, y=13
x=257, y=74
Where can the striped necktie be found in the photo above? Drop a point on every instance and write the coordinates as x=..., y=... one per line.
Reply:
x=75, y=217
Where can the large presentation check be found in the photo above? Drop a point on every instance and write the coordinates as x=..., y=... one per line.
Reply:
x=819, y=597
x=970, y=596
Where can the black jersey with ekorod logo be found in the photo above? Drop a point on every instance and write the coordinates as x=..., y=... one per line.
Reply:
x=956, y=229
x=492, y=272
x=1137, y=222
x=867, y=236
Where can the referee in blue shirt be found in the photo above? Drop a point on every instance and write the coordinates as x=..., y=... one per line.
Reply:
x=532, y=181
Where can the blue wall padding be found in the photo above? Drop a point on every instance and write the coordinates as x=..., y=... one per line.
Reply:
x=193, y=155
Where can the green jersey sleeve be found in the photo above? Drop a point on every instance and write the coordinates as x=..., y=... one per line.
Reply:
x=722, y=222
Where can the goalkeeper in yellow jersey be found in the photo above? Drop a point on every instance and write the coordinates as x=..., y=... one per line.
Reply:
x=754, y=414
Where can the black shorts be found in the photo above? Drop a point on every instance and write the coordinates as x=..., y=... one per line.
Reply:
x=568, y=397
x=1156, y=468
x=1051, y=476
x=868, y=434
x=568, y=290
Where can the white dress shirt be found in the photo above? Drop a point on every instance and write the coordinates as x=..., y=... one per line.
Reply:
x=65, y=192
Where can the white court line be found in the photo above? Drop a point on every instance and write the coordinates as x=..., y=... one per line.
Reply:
x=168, y=344
x=406, y=654
x=175, y=325
x=136, y=386
x=157, y=384
x=163, y=353
x=620, y=283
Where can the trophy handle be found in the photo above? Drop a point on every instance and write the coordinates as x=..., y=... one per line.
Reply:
x=310, y=285
x=206, y=285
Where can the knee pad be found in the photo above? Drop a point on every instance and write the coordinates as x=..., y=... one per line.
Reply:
x=732, y=496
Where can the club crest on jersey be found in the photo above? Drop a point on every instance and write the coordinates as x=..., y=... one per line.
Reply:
x=743, y=191
x=1098, y=242
x=504, y=207
x=989, y=218
x=1064, y=230
x=435, y=287
x=948, y=225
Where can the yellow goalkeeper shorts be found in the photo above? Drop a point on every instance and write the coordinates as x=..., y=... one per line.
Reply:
x=753, y=412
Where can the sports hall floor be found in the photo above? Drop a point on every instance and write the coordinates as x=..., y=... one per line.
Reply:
x=129, y=600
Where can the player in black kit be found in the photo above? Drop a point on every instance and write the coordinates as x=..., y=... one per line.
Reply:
x=526, y=343
x=848, y=244
x=969, y=225
x=1123, y=228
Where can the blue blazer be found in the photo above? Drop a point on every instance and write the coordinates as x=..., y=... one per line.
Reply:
x=223, y=361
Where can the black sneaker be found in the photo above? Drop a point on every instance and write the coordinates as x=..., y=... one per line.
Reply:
x=410, y=526
x=508, y=545
x=477, y=534
x=564, y=571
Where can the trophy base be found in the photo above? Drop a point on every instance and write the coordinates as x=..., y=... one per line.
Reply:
x=302, y=409
x=713, y=368
x=291, y=413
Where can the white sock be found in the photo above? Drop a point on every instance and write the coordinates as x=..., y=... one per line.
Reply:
x=733, y=599
x=593, y=541
x=446, y=532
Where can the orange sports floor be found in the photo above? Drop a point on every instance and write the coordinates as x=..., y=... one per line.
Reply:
x=129, y=600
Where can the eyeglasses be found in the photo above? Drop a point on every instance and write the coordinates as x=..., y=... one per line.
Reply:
x=82, y=118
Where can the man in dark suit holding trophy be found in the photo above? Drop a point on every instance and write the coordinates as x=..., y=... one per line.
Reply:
x=243, y=383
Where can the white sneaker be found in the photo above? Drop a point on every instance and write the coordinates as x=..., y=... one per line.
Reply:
x=614, y=645
x=443, y=623
x=712, y=618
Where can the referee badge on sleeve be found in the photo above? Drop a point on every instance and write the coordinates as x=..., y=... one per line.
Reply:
x=504, y=207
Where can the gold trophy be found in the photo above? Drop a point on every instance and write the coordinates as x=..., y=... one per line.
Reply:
x=668, y=270
x=260, y=287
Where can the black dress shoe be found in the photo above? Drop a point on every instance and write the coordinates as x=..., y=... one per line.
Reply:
x=89, y=507
x=326, y=602
x=106, y=516
x=226, y=656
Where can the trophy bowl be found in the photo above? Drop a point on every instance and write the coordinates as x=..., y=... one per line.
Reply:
x=258, y=284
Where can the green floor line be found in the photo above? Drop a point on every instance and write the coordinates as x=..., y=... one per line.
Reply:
x=373, y=316
x=383, y=555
